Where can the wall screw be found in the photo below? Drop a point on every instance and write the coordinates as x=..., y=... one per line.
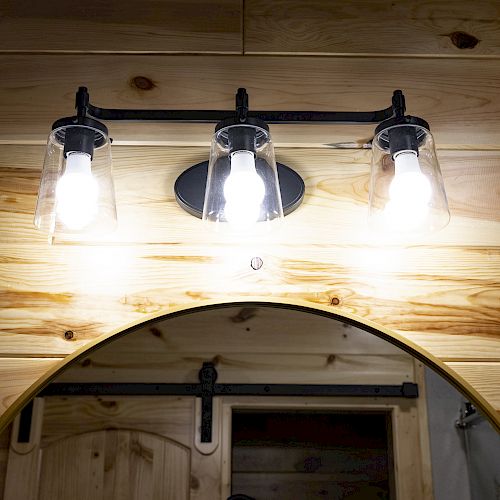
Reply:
x=256, y=263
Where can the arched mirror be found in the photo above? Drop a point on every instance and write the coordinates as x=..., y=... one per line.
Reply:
x=249, y=401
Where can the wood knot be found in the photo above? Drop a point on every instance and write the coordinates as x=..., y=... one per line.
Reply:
x=331, y=359
x=463, y=40
x=108, y=404
x=334, y=301
x=155, y=331
x=216, y=360
x=142, y=83
x=244, y=314
x=195, y=483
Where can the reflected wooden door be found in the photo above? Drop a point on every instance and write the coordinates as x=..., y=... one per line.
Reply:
x=110, y=448
x=114, y=465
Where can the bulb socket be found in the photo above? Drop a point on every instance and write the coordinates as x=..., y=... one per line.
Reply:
x=79, y=139
x=405, y=133
x=403, y=139
x=81, y=134
x=241, y=138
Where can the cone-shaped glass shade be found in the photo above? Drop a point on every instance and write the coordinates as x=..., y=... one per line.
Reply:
x=76, y=194
x=406, y=187
x=242, y=185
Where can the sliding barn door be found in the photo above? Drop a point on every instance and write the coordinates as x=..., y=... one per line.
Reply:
x=110, y=448
x=114, y=465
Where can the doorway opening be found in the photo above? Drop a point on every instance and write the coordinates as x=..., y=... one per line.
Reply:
x=312, y=454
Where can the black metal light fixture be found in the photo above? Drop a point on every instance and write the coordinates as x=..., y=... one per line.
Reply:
x=241, y=184
x=406, y=186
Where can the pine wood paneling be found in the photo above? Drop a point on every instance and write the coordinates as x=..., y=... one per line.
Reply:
x=254, y=345
x=333, y=460
x=441, y=291
x=434, y=28
x=481, y=375
x=467, y=346
x=4, y=454
x=121, y=26
x=115, y=464
x=243, y=368
x=458, y=97
x=167, y=416
x=89, y=414
x=293, y=485
x=17, y=374
x=336, y=197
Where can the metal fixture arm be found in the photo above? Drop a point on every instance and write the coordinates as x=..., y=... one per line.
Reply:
x=85, y=108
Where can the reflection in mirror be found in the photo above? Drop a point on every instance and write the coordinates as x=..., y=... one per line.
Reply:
x=260, y=403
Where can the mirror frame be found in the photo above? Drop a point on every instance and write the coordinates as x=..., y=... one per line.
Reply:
x=297, y=305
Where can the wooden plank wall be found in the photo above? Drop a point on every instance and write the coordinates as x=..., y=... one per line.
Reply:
x=440, y=291
x=247, y=345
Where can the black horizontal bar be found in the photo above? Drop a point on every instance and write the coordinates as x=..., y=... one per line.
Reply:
x=408, y=390
x=351, y=390
x=213, y=116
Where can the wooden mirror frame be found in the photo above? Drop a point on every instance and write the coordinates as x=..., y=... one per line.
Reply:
x=297, y=305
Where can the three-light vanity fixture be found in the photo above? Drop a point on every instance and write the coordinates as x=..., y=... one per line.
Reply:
x=241, y=184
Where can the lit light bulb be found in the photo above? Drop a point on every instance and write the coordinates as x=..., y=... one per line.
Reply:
x=77, y=192
x=244, y=190
x=409, y=193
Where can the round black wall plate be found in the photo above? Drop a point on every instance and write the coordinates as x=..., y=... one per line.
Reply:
x=189, y=188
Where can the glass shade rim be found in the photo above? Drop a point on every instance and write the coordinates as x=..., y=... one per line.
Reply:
x=101, y=138
x=384, y=145
x=262, y=135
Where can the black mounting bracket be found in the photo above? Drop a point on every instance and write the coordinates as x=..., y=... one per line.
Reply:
x=208, y=388
x=240, y=115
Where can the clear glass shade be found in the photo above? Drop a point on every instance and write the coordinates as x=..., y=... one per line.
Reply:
x=406, y=188
x=76, y=194
x=242, y=185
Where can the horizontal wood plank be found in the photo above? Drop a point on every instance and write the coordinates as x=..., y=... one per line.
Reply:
x=308, y=459
x=325, y=27
x=336, y=196
x=98, y=290
x=236, y=330
x=152, y=26
x=290, y=485
x=461, y=347
x=17, y=374
x=481, y=375
x=444, y=92
x=242, y=368
x=63, y=417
